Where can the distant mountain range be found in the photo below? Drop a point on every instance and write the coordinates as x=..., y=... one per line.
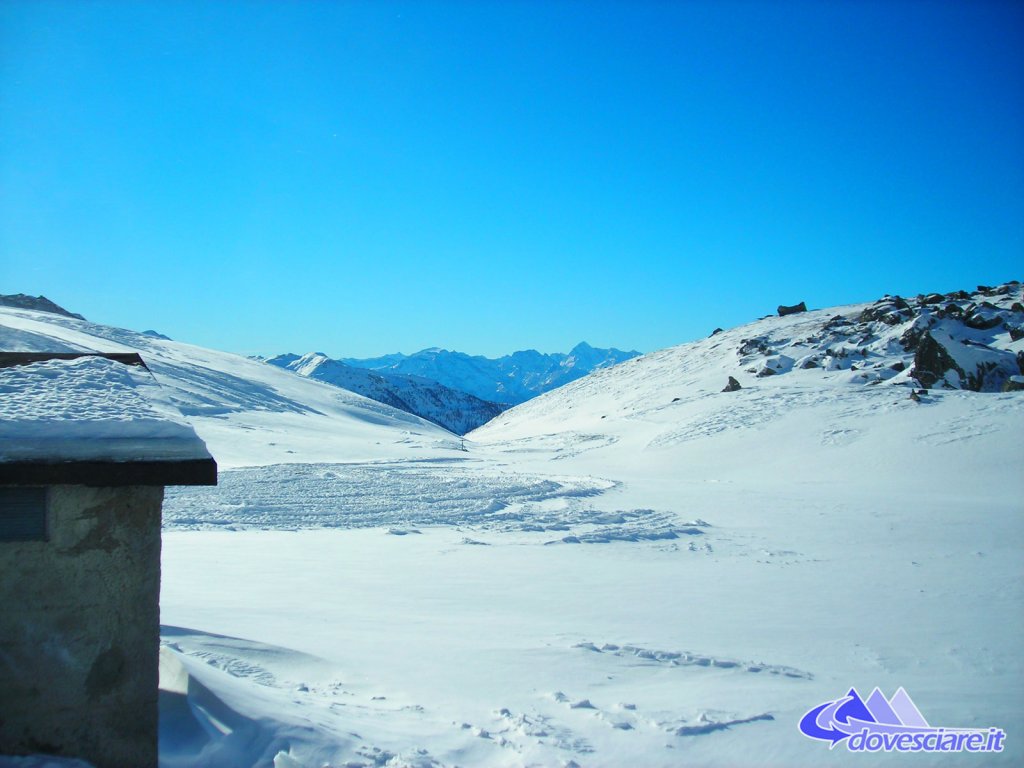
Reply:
x=453, y=409
x=454, y=390
x=457, y=391
x=510, y=380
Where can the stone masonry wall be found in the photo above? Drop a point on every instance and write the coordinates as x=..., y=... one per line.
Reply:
x=79, y=630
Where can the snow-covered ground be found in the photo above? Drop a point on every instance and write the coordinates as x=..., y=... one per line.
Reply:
x=634, y=569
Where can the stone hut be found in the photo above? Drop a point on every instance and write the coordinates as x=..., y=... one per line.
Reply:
x=87, y=444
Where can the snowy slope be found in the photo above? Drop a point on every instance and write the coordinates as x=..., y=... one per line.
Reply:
x=456, y=411
x=862, y=357
x=248, y=413
x=510, y=379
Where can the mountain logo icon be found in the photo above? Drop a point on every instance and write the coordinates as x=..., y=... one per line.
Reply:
x=878, y=724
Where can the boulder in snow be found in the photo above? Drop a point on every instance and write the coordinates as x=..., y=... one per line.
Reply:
x=1014, y=384
x=784, y=310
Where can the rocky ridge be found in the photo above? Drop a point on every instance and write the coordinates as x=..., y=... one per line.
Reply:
x=959, y=340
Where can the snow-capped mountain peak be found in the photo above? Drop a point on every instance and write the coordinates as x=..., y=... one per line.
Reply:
x=456, y=411
x=510, y=379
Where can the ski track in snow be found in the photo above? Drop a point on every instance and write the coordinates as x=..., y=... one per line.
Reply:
x=689, y=659
x=402, y=496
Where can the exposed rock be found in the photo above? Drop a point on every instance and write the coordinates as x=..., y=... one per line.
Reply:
x=1017, y=307
x=732, y=386
x=952, y=310
x=716, y=331
x=753, y=346
x=1014, y=384
x=932, y=361
x=1001, y=290
x=888, y=312
x=38, y=303
x=912, y=336
x=1016, y=333
x=784, y=310
x=899, y=365
x=836, y=321
x=933, y=298
x=775, y=365
x=981, y=323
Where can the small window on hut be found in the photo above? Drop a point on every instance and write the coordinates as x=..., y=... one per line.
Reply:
x=22, y=514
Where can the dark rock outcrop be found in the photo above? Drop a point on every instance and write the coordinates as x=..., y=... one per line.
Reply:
x=932, y=361
x=981, y=323
x=38, y=303
x=732, y=386
x=753, y=347
x=796, y=308
x=889, y=312
x=912, y=336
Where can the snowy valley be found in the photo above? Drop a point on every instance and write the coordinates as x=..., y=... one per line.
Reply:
x=454, y=390
x=453, y=409
x=510, y=379
x=633, y=568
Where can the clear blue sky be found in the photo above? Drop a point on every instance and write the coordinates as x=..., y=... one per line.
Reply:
x=362, y=178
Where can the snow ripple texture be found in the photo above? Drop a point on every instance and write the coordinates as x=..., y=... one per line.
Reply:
x=400, y=495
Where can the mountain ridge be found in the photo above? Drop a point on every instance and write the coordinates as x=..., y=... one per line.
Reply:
x=453, y=409
x=37, y=303
x=510, y=379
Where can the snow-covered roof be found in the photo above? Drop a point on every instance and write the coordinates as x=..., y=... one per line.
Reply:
x=93, y=420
